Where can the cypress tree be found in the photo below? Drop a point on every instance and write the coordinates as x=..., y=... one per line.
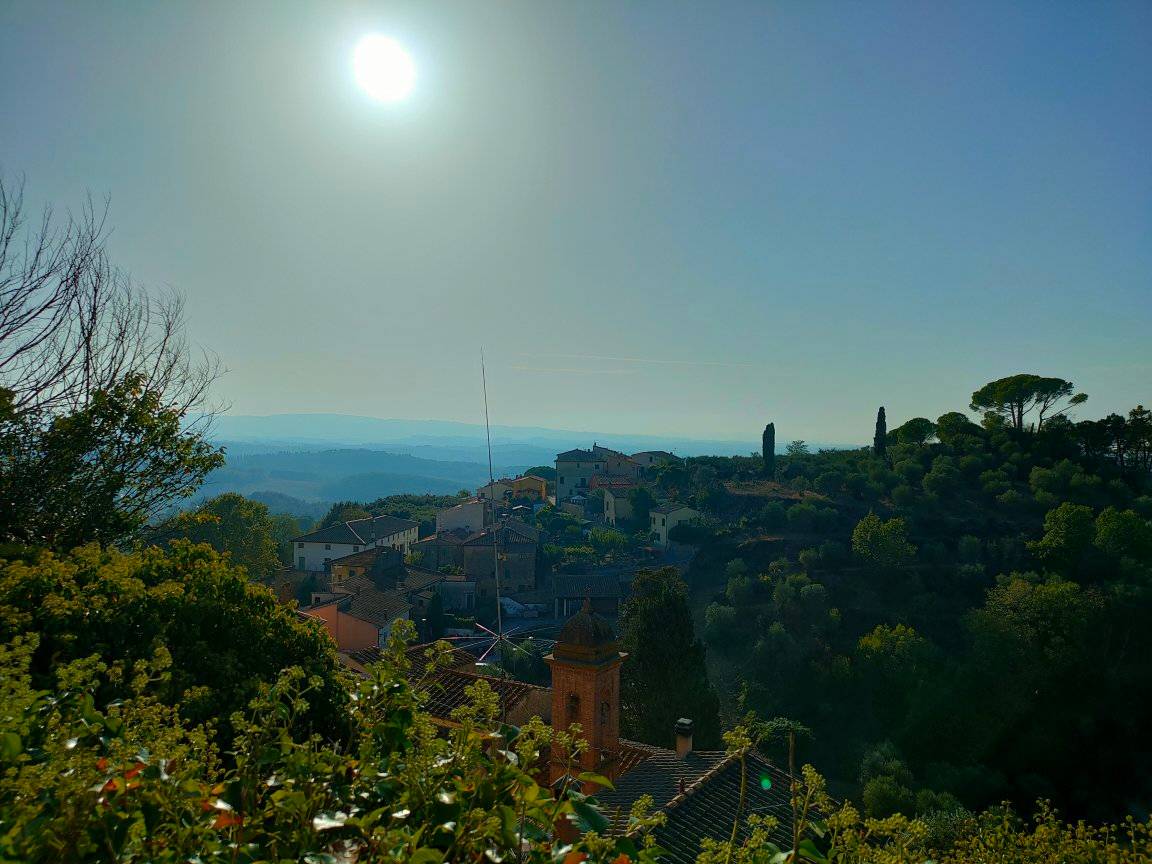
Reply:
x=665, y=677
x=880, y=439
x=768, y=445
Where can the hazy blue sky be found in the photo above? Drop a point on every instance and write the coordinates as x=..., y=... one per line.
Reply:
x=812, y=208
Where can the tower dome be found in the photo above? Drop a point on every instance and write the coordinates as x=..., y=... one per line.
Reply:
x=586, y=637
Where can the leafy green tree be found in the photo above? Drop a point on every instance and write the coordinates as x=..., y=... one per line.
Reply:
x=234, y=525
x=797, y=449
x=102, y=405
x=953, y=427
x=880, y=438
x=342, y=511
x=917, y=432
x=1124, y=534
x=608, y=539
x=642, y=502
x=100, y=472
x=226, y=636
x=284, y=528
x=665, y=677
x=1069, y=531
x=895, y=666
x=1015, y=397
x=882, y=543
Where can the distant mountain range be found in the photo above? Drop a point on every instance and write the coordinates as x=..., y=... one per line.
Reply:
x=445, y=440
x=299, y=463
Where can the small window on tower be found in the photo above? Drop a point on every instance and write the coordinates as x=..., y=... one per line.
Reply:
x=604, y=713
x=573, y=706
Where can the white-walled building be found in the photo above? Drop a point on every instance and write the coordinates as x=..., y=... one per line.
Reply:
x=666, y=517
x=467, y=516
x=312, y=552
x=617, y=506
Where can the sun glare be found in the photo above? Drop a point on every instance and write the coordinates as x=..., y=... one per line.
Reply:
x=384, y=70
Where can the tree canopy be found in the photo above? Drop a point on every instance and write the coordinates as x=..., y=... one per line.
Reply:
x=665, y=677
x=1016, y=396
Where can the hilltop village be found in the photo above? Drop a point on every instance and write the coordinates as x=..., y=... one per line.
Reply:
x=537, y=546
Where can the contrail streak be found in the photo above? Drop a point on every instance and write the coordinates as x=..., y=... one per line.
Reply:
x=576, y=371
x=663, y=362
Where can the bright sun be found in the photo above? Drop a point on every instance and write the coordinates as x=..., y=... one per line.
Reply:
x=384, y=70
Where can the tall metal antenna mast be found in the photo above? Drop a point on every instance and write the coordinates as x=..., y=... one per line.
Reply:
x=495, y=528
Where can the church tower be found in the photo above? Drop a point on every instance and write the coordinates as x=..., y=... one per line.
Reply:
x=586, y=690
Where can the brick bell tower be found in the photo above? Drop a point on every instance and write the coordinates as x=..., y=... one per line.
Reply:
x=585, y=666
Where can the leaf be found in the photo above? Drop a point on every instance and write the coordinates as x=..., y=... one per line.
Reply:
x=10, y=745
x=808, y=852
x=598, y=779
x=227, y=819
x=591, y=818
x=426, y=856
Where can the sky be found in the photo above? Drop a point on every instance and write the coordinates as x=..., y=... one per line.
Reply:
x=655, y=217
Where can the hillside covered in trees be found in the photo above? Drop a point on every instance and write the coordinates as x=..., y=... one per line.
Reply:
x=958, y=614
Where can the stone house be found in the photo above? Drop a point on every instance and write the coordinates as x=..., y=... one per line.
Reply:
x=666, y=517
x=315, y=550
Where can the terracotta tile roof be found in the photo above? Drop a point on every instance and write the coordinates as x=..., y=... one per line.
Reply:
x=361, y=598
x=363, y=558
x=708, y=808
x=654, y=771
x=376, y=607
x=358, y=532
x=417, y=578
x=670, y=507
x=708, y=804
x=576, y=456
x=446, y=687
x=509, y=535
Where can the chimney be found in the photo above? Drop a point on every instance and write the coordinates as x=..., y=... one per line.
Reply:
x=683, y=737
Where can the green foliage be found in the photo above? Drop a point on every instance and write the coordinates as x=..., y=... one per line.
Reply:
x=226, y=636
x=1069, y=530
x=954, y=429
x=1013, y=398
x=916, y=432
x=236, y=526
x=665, y=677
x=880, y=437
x=797, y=449
x=340, y=512
x=882, y=543
x=99, y=472
x=85, y=780
x=642, y=502
x=768, y=450
x=608, y=540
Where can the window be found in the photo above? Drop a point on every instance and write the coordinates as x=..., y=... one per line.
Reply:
x=573, y=707
x=605, y=712
x=355, y=548
x=327, y=546
x=299, y=545
x=663, y=521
